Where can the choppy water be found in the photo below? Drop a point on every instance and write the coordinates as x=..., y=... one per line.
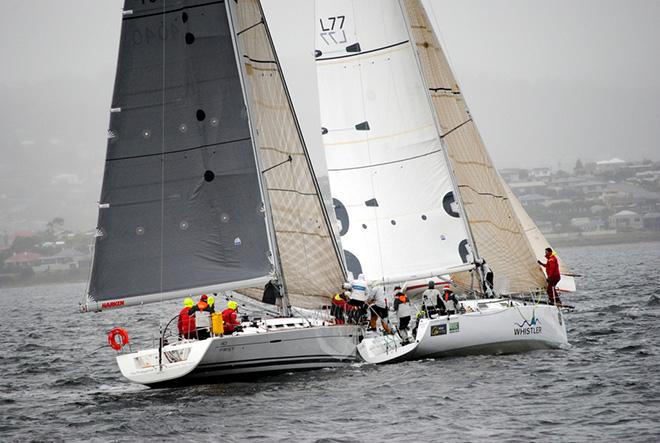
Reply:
x=57, y=385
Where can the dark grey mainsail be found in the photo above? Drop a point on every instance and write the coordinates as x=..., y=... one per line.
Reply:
x=181, y=206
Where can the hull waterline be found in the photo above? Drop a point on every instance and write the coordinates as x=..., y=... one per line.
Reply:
x=489, y=327
x=275, y=347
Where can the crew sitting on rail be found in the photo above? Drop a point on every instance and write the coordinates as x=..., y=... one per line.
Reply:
x=230, y=318
x=185, y=323
x=202, y=312
x=448, y=303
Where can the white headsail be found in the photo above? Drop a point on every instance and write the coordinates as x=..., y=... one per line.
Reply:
x=537, y=240
x=497, y=232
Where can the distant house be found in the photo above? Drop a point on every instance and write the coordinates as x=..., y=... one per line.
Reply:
x=585, y=224
x=66, y=260
x=609, y=165
x=540, y=173
x=511, y=175
x=529, y=200
x=522, y=188
x=626, y=221
x=651, y=221
x=23, y=260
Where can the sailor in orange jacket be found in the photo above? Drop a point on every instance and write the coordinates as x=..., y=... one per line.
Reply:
x=552, y=271
x=202, y=312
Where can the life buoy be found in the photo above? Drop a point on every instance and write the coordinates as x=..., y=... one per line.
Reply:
x=112, y=338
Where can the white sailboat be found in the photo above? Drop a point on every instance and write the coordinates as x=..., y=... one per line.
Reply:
x=208, y=187
x=415, y=190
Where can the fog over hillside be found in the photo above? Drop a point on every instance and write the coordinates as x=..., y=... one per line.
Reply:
x=547, y=82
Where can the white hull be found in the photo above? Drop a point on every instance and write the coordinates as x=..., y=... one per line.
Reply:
x=493, y=327
x=272, y=346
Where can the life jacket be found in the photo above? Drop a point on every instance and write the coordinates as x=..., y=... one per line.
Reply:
x=338, y=299
x=186, y=323
x=202, y=316
x=230, y=320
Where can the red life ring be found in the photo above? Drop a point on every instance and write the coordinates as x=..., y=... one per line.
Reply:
x=112, y=338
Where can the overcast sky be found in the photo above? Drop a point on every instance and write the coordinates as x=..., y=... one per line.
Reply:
x=547, y=81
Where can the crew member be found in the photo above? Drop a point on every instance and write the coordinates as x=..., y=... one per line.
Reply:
x=271, y=293
x=448, y=303
x=186, y=323
x=553, y=276
x=402, y=309
x=358, y=299
x=488, y=278
x=202, y=312
x=338, y=307
x=428, y=296
x=377, y=303
x=230, y=318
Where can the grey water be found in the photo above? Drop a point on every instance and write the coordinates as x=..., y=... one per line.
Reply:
x=59, y=381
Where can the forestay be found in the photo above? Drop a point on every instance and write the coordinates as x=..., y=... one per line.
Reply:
x=310, y=258
x=496, y=230
x=388, y=173
x=181, y=208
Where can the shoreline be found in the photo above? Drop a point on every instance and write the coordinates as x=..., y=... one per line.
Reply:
x=579, y=239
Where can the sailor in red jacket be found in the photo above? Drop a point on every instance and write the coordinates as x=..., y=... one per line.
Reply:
x=552, y=272
x=186, y=323
x=230, y=319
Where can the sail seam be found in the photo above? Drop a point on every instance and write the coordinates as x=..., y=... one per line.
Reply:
x=133, y=17
x=370, y=139
x=292, y=190
x=388, y=163
x=483, y=193
x=179, y=150
x=364, y=52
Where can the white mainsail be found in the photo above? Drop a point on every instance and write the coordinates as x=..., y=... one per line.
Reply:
x=497, y=232
x=389, y=175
